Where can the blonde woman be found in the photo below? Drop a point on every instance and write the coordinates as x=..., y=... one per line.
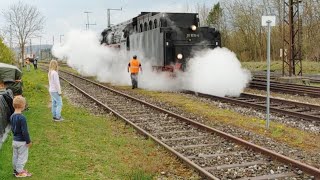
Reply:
x=55, y=91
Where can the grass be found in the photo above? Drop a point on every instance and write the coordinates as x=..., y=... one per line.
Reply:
x=309, y=67
x=278, y=131
x=83, y=146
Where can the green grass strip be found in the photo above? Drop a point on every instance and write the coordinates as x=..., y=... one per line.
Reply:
x=83, y=146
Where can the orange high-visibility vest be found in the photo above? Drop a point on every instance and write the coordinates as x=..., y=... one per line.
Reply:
x=134, y=65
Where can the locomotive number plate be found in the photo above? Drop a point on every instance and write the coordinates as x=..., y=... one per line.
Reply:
x=193, y=35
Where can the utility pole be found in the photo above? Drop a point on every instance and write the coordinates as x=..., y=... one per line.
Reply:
x=60, y=37
x=292, y=38
x=30, y=49
x=10, y=37
x=108, y=14
x=40, y=49
x=52, y=47
x=88, y=23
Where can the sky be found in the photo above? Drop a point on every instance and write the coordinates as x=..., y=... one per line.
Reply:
x=64, y=15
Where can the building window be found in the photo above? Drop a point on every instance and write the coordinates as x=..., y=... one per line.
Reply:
x=150, y=25
x=141, y=29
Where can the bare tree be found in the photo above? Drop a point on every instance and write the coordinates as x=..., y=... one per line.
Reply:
x=203, y=12
x=187, y=7
x=25, y=20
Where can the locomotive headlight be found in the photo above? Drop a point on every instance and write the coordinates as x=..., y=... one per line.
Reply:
x=179, y=56
x=193, y=27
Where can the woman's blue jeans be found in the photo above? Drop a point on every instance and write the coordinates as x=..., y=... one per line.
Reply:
x=56, y=105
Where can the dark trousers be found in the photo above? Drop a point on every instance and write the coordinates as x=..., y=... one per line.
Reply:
x=35, y=66
x=134, y=80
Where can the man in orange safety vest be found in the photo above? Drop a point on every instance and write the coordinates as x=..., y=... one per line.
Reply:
x=134, y=66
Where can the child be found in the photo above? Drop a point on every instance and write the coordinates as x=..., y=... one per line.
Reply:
x=28, y=64
x=21, y=140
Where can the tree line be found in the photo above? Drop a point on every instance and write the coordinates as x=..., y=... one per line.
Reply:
x=6, y=54
x=239, y=22
x=23, y=21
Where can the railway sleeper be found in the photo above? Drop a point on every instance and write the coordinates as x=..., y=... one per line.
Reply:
x=271, y=176
x=215, y=155
x=286, y=107
x=173, y=132
x=300, y=110
x=169, y=122
x=228, y=166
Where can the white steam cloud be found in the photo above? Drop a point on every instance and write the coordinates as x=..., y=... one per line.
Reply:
x=217, y=72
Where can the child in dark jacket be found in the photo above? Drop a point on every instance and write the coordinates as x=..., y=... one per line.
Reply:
x=21, y=139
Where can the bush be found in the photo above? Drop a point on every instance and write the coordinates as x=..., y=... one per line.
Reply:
x=6, y=54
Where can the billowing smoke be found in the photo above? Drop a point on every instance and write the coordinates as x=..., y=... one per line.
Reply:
x=83, y=52
x=216, y=72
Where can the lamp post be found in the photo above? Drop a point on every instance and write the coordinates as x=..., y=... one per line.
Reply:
x=40, y=49
x=268, y=21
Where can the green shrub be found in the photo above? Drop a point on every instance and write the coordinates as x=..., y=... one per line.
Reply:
x=6, y=54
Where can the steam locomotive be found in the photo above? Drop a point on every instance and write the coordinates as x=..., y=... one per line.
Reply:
x=168, y=40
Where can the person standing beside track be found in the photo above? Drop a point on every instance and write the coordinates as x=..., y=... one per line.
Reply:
x=28, y=64
x=55, y=91
x=134, y=66
x=35, y=63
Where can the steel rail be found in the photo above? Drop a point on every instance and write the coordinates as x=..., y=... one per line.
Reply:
x=289, y=84
x=281, y=158
x=263, y=76
x=243, y=102
x=287, y=88
x=277, y=100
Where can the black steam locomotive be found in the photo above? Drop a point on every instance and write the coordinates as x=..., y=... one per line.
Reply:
x=167, y=39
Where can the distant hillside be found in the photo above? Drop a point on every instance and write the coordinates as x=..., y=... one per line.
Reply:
x=35, y=49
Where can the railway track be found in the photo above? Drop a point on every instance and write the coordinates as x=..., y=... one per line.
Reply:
x=276, y=86
x=304, y=111
x=263, y=76
x=213, y=153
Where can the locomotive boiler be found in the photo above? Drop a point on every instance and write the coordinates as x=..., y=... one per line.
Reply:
x=168, y=40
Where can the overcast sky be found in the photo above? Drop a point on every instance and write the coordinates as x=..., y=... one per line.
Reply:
x=63, y=15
